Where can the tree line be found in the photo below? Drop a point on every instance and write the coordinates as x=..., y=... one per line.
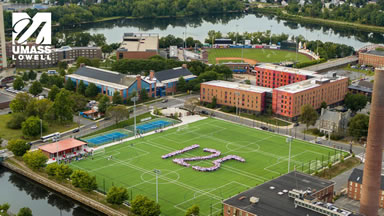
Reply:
x=69, y=13
x=371, y=14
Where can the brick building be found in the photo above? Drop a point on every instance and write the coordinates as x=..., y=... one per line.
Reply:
x=373, y=58
x=138, y=46
x=292, y=194
x=65, y=53
x=288, y=100
x=274, y=76
x=362, y=87
x=247, y=98
x=355, y=184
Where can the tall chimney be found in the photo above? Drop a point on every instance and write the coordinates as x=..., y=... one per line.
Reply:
x=369, y=202
x=151, y=74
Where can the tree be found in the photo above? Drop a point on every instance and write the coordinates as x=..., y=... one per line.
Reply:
x=51, y=168
x=25, y=76
x=69, y=85
x=18, y=147
x=39, y=107
x=355, y=102
x=143, y=95
x=83, y=180
x=191, y=104
x=36, y=88
x=62, y=65
x=32, y=75
x=118, y=113
x=214, y=102
x=44, y=78
x=142, y=206
x=25, y=212
x=323, y=105
x=52, y=94
x=18, y=84
x=91, y=90
x=308, y=115
x=181, y=85
x=117, y=195
x=16, y=121
x=98, y=39
x=117, y=99
x=4, y=207
x=106, y=49
x=62, y=107
x=20, y=102
x=103, y=104
x=358, y=126
x=63, y=171
x=79, y=102
x=32, y=127
x=81, y=88
x=193, y=211
x=35, y=159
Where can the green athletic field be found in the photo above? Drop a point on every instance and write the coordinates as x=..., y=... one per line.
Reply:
x=266, y=156
x=259, y=55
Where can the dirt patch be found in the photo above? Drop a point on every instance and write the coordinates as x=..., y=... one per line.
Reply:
x=249, y=61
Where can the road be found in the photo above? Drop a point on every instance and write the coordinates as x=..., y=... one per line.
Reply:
x=332, y=64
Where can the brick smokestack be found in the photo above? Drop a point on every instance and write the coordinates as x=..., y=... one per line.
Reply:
x=369, y=202
x=151, y=74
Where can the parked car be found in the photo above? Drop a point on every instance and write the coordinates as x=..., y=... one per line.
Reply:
x=204, y=112
x=75, y=130
x=264, y=128
x=52, y=72
x=164, y=101
x=94, y=127
x=296, y=124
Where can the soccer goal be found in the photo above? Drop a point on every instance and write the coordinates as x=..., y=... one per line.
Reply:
x=98, y=152
x=182, y=127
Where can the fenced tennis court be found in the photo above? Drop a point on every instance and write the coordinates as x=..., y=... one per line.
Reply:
x=152, y=125
x=107, y=137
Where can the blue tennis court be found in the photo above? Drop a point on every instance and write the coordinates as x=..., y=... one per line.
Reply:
x=150, y=126
x=105, y=138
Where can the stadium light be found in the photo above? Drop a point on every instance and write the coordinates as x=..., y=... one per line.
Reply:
x=158, y=172
x=134, y=99
x=289, y=140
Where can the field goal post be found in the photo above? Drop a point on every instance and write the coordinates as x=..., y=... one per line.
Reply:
x=99, y=151
x=182, y=127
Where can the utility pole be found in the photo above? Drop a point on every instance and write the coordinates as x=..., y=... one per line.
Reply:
x=157, y=184
x=289, y=140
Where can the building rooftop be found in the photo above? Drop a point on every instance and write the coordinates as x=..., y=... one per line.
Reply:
x=238, y=86
x=4, y=98
x=139, y=42
x=376, y=52
x=310, y=83
x=68, y=48
x=288, y=70
x=357, y=176
x=103, y=77
x=362, y=86
x=271, y=203
x=173, y=74
x=62, y=145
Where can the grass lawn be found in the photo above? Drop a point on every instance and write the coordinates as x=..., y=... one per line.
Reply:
x=366, y=72
x=340, y=168
x=260, y=55
x=266, y=118
x=8, y=134
x=265, y=154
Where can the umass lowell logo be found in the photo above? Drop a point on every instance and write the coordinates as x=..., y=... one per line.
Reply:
x=24, y=29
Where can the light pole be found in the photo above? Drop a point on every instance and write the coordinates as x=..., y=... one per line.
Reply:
x=41, y=128
x=158, y=172
x=289, y=140
x=134, y=99
x=237, y=102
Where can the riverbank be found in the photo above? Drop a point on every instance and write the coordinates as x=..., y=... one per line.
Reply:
x=93, y=200
x=311, y=20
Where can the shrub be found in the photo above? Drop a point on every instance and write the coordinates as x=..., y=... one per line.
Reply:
x=83, y=180
x=35, y=159
x=18, y=147
x=306, y=64
x=16, y=121
x=117, y=195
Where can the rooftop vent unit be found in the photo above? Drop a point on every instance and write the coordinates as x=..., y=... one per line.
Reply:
x=242, y=197
x=254, y=200
x=272, y=188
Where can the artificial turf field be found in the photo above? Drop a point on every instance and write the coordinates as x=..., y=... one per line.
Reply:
x=266, y=156
x=260, y=55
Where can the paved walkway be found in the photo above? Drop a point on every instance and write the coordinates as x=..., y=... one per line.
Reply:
x=332, y=64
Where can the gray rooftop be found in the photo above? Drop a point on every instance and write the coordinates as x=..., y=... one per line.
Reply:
x=376, y=52
x=357, y=176
x=5, y=98
x=330, y=116
x=362, y=86
x=105, y=75
x=271, y=203
x=172, y=73
x=139, y=42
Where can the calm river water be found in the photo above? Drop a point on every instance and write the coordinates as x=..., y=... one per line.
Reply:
x=198, y=27
x=21, y=192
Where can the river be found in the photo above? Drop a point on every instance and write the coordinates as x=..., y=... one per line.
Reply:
x=198, y=27
x=21, y=192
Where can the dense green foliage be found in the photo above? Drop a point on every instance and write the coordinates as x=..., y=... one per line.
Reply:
x=117, y=99
x=60, y=172
x=143, y=206
x=32, y=127
x=18, y=147
x=83, y=180
x=18, y=84
x=103, y=103
x=308, y=115
x=370, y=14
x=194, y=210
x=25, y=211
x=355, y=102
x=35, y=159
x=307, y=64
x=117, y=195
x=358, y=126
x=36, y=88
